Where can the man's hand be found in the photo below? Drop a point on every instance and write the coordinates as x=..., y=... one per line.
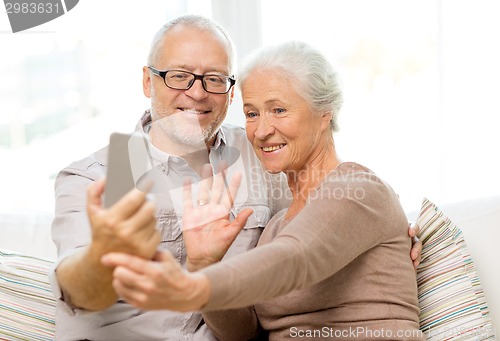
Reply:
x=157, y=284
x=128, y=226
x=416, y=248
x=207, y=231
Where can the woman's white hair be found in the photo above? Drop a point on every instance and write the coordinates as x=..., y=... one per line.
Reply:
x=199, y=22
x=310, y=72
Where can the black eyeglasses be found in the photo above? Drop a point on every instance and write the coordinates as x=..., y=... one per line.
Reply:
x=183, y=80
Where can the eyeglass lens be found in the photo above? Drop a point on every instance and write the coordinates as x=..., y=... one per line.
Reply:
x=183, y=80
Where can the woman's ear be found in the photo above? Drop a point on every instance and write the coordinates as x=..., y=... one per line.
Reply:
x=326, y=119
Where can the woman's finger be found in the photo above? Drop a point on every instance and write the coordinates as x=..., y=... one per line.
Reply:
x=205, y=185
x=217, y=189
x=133, y=297
x=229, y=196
x=187, y=195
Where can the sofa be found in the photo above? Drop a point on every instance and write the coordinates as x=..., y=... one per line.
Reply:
x=459, y=240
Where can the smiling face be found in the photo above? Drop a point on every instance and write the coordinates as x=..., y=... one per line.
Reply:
x=285, y=133
x=188, y=117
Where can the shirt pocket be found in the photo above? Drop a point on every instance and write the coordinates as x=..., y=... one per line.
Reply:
x=249, y=236
x=169, y=225
x=259, y=218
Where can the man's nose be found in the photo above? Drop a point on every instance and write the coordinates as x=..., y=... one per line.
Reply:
x=196, y=91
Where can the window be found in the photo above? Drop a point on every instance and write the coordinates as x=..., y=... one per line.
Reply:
x=59, y=99
x=418, y=76
x=420, y=81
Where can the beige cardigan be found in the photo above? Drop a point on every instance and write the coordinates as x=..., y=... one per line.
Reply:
x=339, y=270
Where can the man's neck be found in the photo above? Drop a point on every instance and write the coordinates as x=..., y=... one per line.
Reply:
x=197, y=159
x=195, y=155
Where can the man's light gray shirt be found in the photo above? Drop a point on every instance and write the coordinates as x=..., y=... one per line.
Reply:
x=265, y=194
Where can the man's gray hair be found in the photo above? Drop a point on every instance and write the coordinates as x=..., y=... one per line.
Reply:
x=195, y=21
x=313, y=76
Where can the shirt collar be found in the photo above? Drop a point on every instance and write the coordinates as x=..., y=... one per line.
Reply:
x=144, y=123
x=220, y=140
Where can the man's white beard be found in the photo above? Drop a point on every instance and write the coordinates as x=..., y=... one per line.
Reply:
x=184, y=129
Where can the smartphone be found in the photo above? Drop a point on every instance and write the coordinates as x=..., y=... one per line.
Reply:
x=128, y=162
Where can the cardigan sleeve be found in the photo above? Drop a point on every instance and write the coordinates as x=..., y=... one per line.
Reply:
x=348, y=214
x=234, y=324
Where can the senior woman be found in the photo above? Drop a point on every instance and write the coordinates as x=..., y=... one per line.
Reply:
x=333, y=265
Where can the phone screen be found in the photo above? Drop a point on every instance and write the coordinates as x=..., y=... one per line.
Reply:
x=128, y=162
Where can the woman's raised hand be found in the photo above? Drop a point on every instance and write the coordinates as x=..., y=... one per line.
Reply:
x=207, y=229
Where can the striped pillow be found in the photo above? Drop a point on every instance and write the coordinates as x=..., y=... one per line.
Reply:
x=27, y=306
x=451, y=299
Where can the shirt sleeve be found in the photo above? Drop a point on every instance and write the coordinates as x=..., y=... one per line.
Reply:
x=349, y=206
x=70, y=227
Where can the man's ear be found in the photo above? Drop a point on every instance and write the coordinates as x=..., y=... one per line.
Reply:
x=146, y=82
x=231, y=95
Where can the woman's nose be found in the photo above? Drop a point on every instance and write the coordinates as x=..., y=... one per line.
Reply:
x=265, y=127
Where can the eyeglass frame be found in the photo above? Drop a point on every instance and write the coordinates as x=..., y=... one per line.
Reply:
x=163, y=73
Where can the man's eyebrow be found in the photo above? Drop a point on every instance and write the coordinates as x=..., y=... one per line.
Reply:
x=222, y=71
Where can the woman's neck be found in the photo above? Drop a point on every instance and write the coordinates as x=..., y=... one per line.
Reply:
x=302, y=182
